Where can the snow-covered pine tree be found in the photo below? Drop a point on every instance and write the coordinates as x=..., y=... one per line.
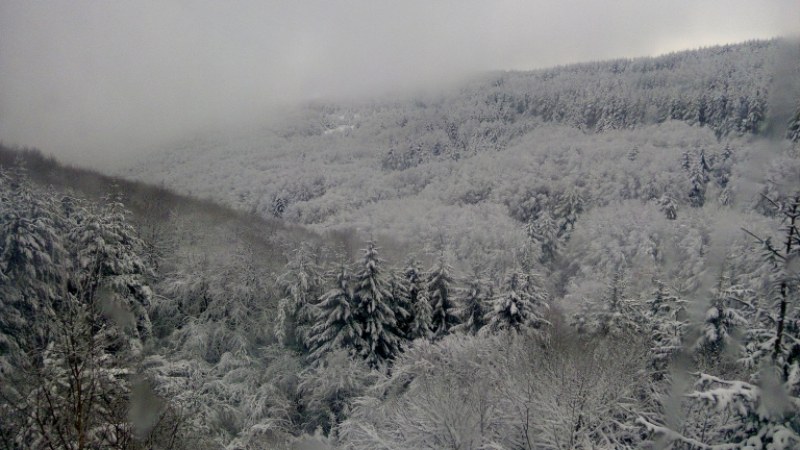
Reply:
x=439, y=289
x=421, y=316
x=793, y=129
x=473, y=303
x=566, y=209
x=775, y=331
x=668, y=206
x=544, y=230
x=300, y=286
x=614, y=314
x=109, y=270
x=79, y=393
x=666, y=318
x=723, y=320
x=519, y=304
x=764, y=411
x=698, y=178
x=73, y=389
x=336, y=325
x=378, y=321
x=401, y=301
x=33, y=264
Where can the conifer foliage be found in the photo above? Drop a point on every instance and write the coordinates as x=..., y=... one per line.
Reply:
x=519, y=304
x=74, y=318
x=336, y=326
x=421, y=316
x=381, y=339
x=440, y=290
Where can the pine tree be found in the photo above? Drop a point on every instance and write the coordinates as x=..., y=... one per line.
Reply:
x=300, y=286
x=400, y=296
x=668, y=207
x=614, y=313
x=33, y=264
x=698, y=178
x=381, y=341
x=775, y=332
x=473, y=303
x=420, y=324
x=439, y=288
x=544, y=230
x=78, y=269
x=336, y=325
x=518, y=305
x=764, y=411
x=666, y=318
x=108, y=265
x=793, y=129
x=723, y=318
x=567, y=208
x=79, y=395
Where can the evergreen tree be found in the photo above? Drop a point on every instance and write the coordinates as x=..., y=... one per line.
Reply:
x=421, y=315
x=300, y=286
x=567, y=208
x=108, y=266
x=666, y=318
x=775, y=331
x=668, y=207
x=439, y=288
x=519, y=304
x=378, y=321
x=336, y=325
x=473, y=304
x=723, y=318
x=33, y=265
x=400, y=295
x=793, y=130
x=544, y=230
x=73, y=276
x=614, y=313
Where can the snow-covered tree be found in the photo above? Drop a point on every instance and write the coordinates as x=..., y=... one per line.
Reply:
x=33, y=264
x=109, y=268
x=668, y=206
x=519, y=304
x=77, y=266
x=614, y=313
x=336, y=325
x=439, y=289
x=300, y=286
x=724, y=319
x=78, y=396
x=567, y=207
x=420, y=324
x=793, y=129
x=374, y=313
x=330, y=387
x=544, y=230
x=775, y=330
x=473, y=301
x=666, y=317
x=698, y=171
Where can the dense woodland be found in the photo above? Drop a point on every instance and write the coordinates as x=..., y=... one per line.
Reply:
x=593, y=256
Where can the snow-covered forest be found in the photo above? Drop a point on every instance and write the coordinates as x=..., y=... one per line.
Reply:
x=594, y=256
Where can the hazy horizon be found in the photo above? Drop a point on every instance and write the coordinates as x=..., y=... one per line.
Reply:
x=92, y=82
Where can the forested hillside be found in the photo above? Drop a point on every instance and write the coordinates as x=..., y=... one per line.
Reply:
x=601, y=255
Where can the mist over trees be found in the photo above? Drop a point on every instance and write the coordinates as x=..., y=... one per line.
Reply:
x=601, y=255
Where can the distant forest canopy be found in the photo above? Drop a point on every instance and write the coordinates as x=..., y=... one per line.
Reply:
x=496, y=152
x=530, y=275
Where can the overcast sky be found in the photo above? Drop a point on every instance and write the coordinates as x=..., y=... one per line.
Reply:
x=89, y=81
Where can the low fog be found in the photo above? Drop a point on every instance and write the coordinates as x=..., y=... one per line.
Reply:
x=96, y=83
